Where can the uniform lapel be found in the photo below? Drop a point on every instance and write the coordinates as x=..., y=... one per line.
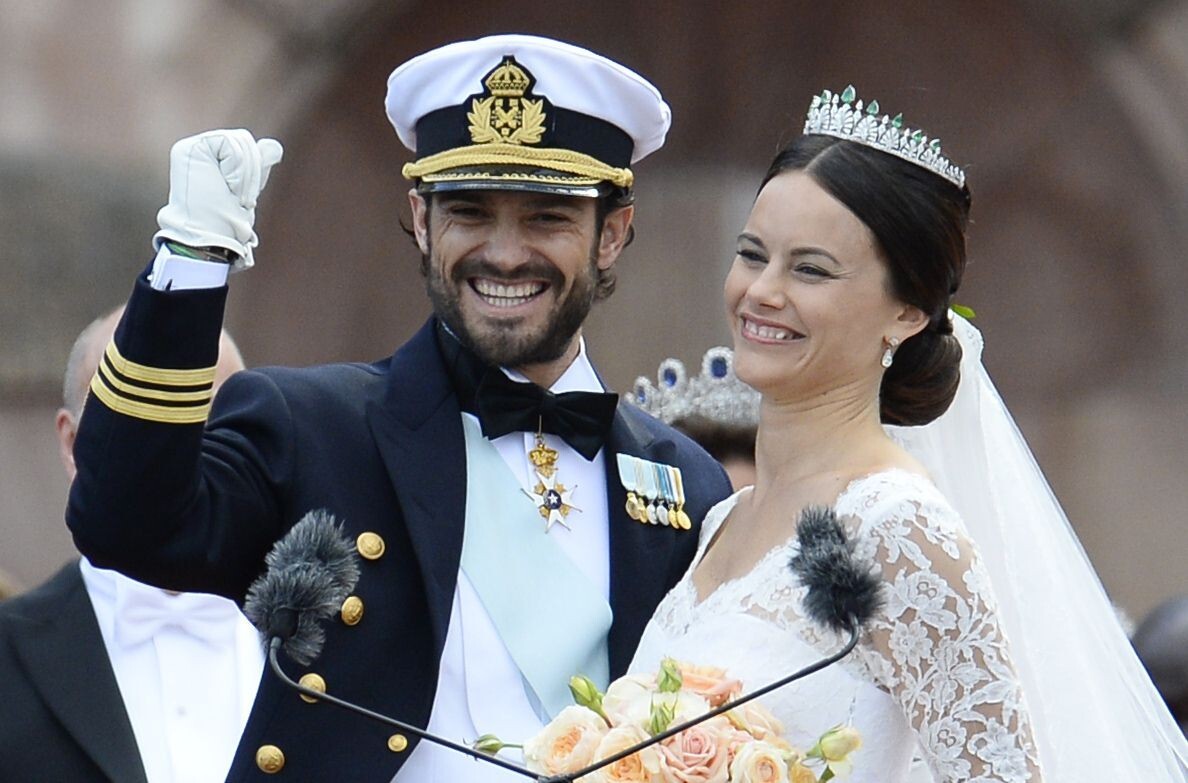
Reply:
x=640, y=554
x=419, y=432
x=63, y=653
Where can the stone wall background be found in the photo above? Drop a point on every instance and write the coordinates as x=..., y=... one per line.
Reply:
x=1071, y=118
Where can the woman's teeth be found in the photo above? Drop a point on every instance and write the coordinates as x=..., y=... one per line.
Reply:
x=767, y=332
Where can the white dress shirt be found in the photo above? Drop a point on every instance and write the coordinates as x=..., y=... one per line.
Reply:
x=187, y=667
x=479, y=688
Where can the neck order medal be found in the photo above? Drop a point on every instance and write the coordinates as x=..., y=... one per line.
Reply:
x=550, y=495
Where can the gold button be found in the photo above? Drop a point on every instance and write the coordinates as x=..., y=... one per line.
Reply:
x=269, y=759
x=370, y=545
x=397, y=743
x=315, y=683
x=352, y=610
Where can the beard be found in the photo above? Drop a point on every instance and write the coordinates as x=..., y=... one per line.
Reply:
x=512, y=342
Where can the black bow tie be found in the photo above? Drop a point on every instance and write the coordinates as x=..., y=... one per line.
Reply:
x=581, y=419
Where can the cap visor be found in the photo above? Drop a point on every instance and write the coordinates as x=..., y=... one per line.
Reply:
x=532, y=180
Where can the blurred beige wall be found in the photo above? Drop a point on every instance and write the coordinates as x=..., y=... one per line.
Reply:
x=1071, y=118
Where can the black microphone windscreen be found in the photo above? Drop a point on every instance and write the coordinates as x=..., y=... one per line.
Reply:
x=311, y=571
x=842, y=590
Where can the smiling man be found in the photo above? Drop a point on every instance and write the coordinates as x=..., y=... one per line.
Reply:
x=516, y=524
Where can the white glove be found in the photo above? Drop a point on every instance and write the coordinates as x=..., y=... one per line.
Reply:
x=214, y=181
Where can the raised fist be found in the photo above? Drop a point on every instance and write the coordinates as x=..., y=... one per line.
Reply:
x=215, y=179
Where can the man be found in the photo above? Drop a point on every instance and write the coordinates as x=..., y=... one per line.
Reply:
x=106, y=679
x=490, y=422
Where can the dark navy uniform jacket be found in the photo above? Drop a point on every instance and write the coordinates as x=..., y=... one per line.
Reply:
x=380, y=447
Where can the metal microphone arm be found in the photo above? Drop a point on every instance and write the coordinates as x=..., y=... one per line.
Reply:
x=274, y=646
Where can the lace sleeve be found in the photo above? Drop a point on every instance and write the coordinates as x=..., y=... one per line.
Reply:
x=937, y=646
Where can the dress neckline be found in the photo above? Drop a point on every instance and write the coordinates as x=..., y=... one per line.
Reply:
x=727, y=506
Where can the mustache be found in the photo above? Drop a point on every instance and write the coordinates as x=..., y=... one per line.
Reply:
x=531, y=270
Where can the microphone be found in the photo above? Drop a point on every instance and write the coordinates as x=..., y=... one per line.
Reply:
x=311, y=571
x=843, y=593
x=313, y=568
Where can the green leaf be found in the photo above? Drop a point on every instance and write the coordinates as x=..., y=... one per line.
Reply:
x=965, y=312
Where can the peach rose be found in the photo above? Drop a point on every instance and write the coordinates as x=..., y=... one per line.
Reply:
x=710, y=682
x=567, y=744
x=799, y=773
x=758, y=721
x=758, y=762
x=700, y=754
x=622, y=695
x=640, y=767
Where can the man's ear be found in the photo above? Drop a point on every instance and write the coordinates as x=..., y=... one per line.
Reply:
x=67, y=429
x=420, y=219
x=616, y=228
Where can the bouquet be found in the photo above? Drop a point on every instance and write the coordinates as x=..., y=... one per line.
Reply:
x=741, y=745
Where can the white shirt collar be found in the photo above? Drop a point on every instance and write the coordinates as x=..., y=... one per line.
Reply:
x=578, y=376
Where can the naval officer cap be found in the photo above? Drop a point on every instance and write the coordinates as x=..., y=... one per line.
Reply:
x=521, y=112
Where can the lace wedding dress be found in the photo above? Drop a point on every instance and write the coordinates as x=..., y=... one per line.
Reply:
x=932, y=671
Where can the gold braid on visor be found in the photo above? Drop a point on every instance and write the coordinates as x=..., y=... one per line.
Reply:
x=567, y=161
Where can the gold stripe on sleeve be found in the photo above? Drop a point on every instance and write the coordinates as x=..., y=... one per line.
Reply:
x=166, y=414
x=141, y=372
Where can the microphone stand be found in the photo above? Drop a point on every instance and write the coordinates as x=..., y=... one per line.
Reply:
x=569, y=777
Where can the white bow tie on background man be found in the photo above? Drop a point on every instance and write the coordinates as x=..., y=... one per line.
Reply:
x=142, y=612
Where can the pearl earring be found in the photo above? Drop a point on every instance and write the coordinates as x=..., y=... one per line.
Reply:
x=889, y=354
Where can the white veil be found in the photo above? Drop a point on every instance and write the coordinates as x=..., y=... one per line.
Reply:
x=1096, y=715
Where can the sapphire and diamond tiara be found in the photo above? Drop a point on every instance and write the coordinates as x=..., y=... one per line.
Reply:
x=716, y=394
x=844, y=117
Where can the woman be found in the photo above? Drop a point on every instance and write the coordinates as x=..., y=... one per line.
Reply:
x=839, y=302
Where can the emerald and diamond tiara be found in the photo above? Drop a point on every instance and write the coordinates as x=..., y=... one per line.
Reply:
x=843, y=117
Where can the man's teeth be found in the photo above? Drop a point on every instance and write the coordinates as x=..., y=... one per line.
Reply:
x=767, y=332
x=503, y=295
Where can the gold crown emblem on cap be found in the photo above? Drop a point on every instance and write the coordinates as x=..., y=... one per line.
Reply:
x=506, y=115
x=508, y=80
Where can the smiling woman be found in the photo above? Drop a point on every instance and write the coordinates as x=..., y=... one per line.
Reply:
x=909, y=225
x=839, y=302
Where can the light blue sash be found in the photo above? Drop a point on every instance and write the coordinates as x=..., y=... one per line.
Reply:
x=553, y=621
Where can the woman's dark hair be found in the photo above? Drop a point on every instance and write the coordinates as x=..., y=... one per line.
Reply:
x=918, y=219
x=722, y=441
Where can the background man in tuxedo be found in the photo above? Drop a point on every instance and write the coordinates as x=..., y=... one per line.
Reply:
x=106, y=679
x=579, y=513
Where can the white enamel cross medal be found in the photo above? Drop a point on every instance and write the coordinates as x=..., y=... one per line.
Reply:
x=550, y=495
